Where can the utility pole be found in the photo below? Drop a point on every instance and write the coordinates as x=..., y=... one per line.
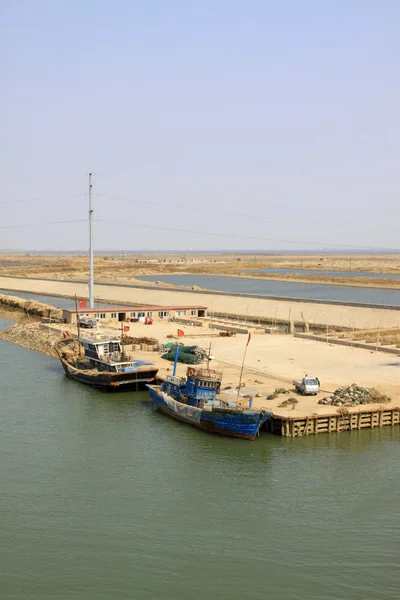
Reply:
x=91, y=267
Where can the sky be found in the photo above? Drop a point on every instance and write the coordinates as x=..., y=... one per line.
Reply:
x=209, y=124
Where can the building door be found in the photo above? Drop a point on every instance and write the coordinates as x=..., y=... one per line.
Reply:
x=121, y=317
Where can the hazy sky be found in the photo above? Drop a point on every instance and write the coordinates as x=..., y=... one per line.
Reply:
x=287, y=110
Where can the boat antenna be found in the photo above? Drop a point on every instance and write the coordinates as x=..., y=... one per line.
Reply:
x=241, y=370
x=91, y=264
x=208, y=357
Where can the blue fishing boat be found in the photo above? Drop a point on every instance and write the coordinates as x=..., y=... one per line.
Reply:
x=196, y=400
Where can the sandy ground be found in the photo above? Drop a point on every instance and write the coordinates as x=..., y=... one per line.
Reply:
x=325, y=314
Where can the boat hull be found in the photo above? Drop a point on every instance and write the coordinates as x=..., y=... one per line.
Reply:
x=107, y=381
x=244, y=424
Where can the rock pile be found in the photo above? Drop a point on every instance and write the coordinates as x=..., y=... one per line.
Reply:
x=354, y=395
x=289, y=402
x=32, y=337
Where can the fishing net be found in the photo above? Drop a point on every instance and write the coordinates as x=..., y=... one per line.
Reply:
x=189, y=355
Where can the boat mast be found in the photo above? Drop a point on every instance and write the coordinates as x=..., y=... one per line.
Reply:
x=176, y=359
x=241, y=370
x=78, y=325
x=91, y=267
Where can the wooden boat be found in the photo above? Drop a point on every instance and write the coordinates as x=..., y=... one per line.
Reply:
x=194, y=401
x=100, y=361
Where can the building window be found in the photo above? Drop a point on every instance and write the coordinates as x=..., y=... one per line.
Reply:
x=141, y=314
x=193, y=313
x=149, y=314
x=96, y=316
x=102, y=315
x=133, y=315
x=113, y=315
x=163, y=313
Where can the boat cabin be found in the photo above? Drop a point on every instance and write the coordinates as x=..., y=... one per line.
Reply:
x=201, y=387
x=106, y=354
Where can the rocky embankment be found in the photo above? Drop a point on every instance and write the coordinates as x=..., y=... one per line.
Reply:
x=32, y=337
x=26, y=331
x=30, y=307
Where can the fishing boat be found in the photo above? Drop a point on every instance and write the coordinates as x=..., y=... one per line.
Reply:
x=196, y=400
x=100, y=361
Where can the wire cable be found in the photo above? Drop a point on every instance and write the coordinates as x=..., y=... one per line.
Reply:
x=242, y=237
x=242, y=215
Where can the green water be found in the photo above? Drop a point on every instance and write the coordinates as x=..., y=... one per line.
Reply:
x=103, y=498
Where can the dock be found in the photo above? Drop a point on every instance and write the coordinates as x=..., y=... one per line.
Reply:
x=342, y=420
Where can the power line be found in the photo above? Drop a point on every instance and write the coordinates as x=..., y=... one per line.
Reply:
x=242, y=215
x=236, y=236
x=41, y=199
x=40, y=224
x=197, y=232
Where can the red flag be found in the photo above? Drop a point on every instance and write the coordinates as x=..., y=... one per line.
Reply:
x=180, y=333
x=82, y=303
x=248, y=340
x=126, y=327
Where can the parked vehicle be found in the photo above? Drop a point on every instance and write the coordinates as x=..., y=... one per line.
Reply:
x=308, y=386
x=86, y=322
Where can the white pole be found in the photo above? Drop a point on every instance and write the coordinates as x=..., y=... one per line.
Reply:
x=91, y=267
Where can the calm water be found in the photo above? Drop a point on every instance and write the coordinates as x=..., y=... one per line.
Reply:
x=260, y=287
x=329, y=273
x=102, y=498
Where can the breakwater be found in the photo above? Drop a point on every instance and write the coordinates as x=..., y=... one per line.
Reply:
x=26, y=330
x=30, y=307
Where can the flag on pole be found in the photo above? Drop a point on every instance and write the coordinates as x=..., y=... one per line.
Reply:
x=82, y=303
x=248, y=340
x=126, y=328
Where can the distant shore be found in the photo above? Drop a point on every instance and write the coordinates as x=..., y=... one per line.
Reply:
x=122, y=268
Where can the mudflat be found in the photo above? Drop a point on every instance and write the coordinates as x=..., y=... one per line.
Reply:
x=125, y=267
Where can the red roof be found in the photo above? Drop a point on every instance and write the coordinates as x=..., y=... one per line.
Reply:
x=133, y=309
